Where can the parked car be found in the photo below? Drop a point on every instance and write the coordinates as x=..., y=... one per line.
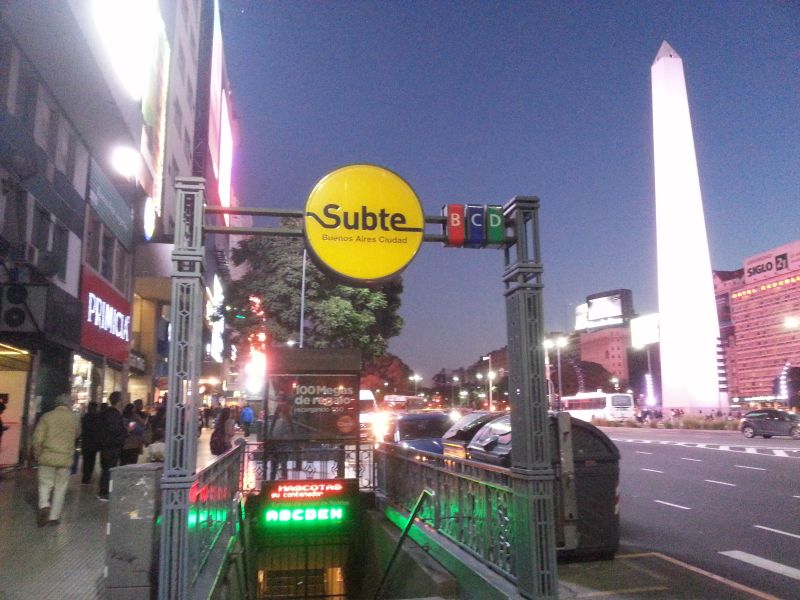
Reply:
x=460, y=434
x=769, y=422
x=420, y=430
x=492, y=443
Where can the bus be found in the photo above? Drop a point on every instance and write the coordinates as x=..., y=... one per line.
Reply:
x=599, y=405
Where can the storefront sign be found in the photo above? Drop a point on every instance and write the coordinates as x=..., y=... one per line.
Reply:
x=364, y=223
x=106, y=322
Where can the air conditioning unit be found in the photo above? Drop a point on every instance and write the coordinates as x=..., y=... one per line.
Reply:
x=22, y=308
x=24, y=253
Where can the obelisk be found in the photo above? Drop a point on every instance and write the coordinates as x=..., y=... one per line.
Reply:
x=686, y=303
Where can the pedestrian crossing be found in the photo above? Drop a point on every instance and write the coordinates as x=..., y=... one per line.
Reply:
x=784, y=452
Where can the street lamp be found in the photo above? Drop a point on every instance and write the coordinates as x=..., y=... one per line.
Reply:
x=489, y=378
x=558, y=343
x=615, y=383
x=452, y=390
x=415, y=378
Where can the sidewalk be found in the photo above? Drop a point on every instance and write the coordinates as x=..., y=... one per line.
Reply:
x=65, y=562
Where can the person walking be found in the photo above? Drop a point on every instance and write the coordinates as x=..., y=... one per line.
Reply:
x=134, y=437
x=222, y=437
x=280, y=428
x=90, y=440
x=246, y=419
x=53, y=447
x=112, y=439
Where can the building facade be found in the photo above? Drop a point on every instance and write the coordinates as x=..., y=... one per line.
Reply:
x=761, y=339
x=90, y=145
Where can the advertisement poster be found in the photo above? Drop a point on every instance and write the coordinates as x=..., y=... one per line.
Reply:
x=321, y=406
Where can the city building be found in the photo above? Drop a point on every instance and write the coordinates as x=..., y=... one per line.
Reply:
x=66, y=237
x=761, y=336
x=90, y=146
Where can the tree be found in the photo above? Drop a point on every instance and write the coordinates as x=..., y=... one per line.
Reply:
x=336, y=315
x=387, y=369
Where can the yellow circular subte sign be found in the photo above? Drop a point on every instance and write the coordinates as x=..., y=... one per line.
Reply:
x=364, y=223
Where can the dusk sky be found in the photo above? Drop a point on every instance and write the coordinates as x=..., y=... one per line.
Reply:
x=476, y=102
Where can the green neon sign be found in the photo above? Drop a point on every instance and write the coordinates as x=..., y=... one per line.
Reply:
x=275, y=516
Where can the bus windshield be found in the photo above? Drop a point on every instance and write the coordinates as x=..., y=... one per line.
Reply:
x=621, y=400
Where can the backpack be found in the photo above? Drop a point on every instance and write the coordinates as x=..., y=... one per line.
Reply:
x=218, y=442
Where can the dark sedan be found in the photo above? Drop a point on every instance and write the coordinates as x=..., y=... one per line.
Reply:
x=421, y=431
x=769, y=422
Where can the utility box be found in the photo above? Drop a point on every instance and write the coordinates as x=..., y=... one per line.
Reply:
x=132, y=540
x=587, y=489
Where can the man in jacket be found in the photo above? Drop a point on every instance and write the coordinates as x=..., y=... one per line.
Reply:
x=246, y=419
x=111, y=440
x=53, y=448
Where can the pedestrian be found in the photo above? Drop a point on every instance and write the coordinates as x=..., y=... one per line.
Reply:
x=112, y=439
x=281, y=427
x=246, y=419
x=222, y=436
x=90, y=432
x=134, y=438
x=53, y=447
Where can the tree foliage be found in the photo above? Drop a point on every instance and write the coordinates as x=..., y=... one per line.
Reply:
x=387, y=373
x=335, y=315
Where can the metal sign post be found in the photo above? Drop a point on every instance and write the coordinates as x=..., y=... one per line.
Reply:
x=533, y=526
x=185, y=347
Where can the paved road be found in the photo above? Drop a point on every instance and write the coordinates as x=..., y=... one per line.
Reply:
x=716, y=500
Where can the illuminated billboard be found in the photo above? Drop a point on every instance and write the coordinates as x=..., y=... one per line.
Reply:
x=604, y=309
x=215, y=97
x=644, y=330
x=225, y=158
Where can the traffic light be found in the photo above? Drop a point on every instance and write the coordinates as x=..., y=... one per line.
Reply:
x=22, y=307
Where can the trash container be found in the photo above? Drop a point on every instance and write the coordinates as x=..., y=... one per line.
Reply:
x=587, y=490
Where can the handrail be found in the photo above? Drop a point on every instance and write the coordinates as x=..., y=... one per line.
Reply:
x=425, y=492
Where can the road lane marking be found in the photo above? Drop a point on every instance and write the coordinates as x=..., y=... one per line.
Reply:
x=737, y=586
x=721, y=483
x=763, y=563
x=642, y=452
x=692, y=459
x=653, y=470
x=753, y=468
x=795, y=496
x=751, y=450
x=671, y=504
x=794, y=535
x=780, y=453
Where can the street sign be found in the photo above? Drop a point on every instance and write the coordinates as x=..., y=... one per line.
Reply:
x=364, y=223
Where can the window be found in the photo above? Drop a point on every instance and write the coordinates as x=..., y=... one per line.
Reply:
x=41, y=229
x=92, y=241
x=6, y=57
x=121, y=272
x=187, y=145
x=61, y=249
x=27, y=90
x=15, y=215
x=107, y=257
